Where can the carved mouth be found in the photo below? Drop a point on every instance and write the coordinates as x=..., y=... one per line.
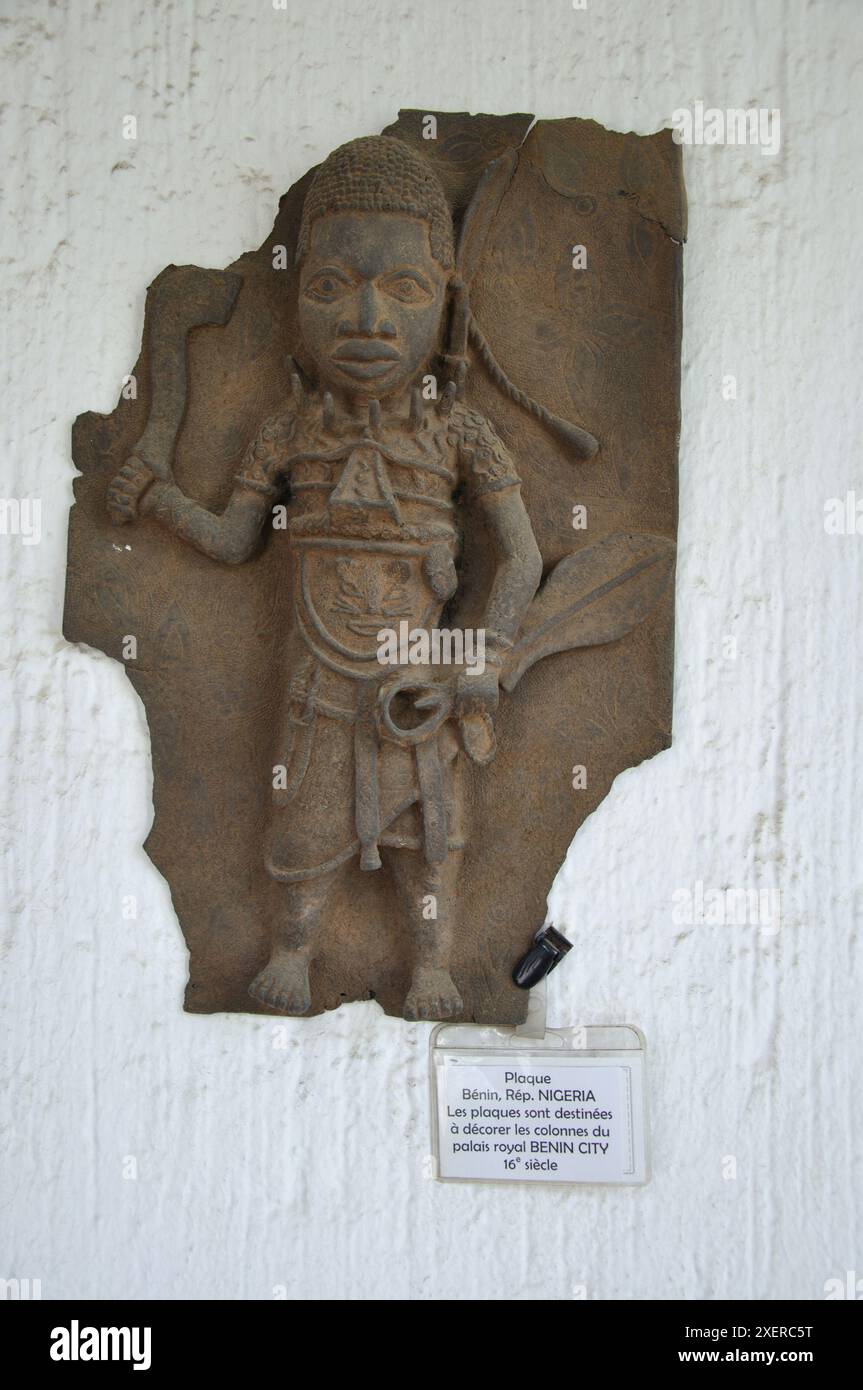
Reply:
x=366, y=350
x=360, y=358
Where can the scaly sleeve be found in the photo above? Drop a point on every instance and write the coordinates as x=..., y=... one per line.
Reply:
x=485, y=463
x=266, y=457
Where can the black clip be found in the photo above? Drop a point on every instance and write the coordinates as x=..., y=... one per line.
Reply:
x=548, y=950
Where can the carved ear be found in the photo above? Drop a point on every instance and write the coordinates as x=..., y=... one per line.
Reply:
x=481, y=212
x=594, y=596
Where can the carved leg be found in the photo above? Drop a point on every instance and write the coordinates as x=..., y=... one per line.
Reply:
x=426, y=896
x=283, y=984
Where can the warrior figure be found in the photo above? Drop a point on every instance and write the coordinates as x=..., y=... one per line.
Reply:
x=375, y=478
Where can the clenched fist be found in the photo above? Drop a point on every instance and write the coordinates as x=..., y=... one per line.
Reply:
x=476, y=699
x=126, y=490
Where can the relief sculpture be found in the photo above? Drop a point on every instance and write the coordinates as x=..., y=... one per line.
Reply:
x=446, y=546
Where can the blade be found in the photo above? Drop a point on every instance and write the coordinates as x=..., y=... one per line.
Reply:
x=181, y=298
x=594, y=596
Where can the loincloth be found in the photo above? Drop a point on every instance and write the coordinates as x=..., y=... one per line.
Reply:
x=350, y=789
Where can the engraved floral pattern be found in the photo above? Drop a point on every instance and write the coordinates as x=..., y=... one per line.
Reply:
x=374, y=594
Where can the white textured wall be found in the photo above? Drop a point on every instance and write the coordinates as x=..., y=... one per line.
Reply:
x=259, y=1167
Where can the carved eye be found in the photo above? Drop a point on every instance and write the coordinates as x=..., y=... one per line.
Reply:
x=407, y=290
x=326, y=287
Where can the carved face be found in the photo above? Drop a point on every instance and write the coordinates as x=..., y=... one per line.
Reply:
x=371, y=301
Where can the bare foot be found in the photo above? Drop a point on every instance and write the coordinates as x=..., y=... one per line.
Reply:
x=283, y=984
x=432, y=995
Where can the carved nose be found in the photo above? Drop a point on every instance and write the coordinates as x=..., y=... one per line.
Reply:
x=367, y=321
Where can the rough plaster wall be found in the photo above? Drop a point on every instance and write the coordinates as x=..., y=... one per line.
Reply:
x=305, y=1167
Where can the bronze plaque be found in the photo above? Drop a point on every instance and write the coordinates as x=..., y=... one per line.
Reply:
x=384, y=535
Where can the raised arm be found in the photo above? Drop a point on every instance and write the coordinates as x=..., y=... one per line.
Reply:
x=230, y=536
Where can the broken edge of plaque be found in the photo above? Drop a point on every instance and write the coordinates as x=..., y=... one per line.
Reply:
x=101, y=605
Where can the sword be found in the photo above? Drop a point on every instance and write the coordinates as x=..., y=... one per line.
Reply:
x=181, y=298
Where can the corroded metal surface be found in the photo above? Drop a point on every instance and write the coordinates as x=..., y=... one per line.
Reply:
x=441, y=398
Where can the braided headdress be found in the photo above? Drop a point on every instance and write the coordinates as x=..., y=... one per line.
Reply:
x=378, y=173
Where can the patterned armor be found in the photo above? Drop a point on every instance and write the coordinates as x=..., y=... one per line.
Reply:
x=374, y=540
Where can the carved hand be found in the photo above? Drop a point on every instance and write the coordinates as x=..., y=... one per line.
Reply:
x=126, y=490
x=476, y=699
x=475, y=693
